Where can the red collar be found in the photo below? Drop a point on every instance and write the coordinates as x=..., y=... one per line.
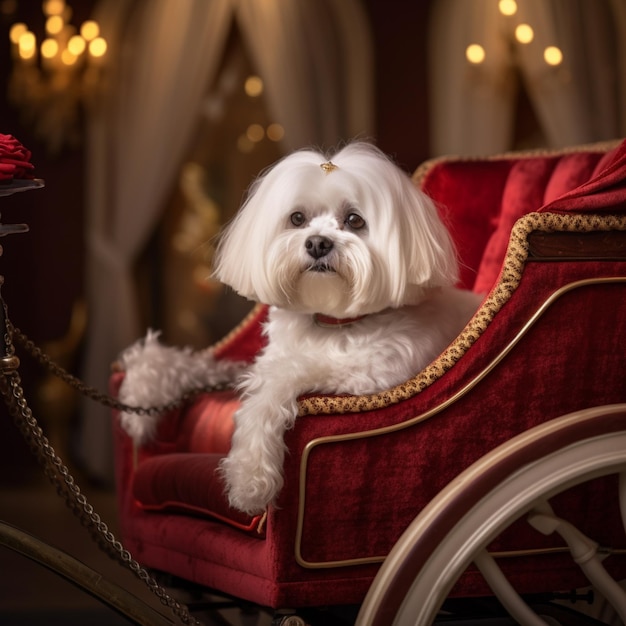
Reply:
x=326, y=321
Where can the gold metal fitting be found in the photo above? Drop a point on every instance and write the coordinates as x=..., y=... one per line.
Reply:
x=9, y=364
x=328, y=167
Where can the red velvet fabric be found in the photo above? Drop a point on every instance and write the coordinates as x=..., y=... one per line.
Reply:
x=479, y=185
x=359, y=492
x=537, y=381
x=605, y=191
x=495, y=193
x=246, y=340
x=178, y=469
x=206, y=425
x=188, y=483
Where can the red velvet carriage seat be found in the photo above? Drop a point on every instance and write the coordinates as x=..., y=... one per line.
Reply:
x=543, y=235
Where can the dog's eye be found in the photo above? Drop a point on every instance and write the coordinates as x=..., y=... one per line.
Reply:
x=355, y=221
x=297, y=218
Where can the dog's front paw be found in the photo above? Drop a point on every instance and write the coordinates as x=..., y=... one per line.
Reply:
x=251, y=485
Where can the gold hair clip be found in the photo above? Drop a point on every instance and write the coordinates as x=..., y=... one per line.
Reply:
x=328, y=167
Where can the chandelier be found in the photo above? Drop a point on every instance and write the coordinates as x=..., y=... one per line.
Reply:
x=54, y=79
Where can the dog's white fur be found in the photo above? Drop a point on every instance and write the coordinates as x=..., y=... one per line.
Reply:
x=383, y=253
x=156, y=375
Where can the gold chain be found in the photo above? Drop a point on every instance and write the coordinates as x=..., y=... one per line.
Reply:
x=59, y=475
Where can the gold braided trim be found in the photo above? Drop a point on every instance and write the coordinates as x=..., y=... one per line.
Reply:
x=240, y=328
x=510, y=277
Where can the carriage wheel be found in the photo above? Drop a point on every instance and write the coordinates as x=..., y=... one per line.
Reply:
x=513, y=480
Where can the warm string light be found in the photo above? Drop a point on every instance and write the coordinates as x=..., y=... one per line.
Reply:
x=553, y=55
x=524, y=34
x=507, y=7
x=52, y=78
x=475, y=53
x=255, y=133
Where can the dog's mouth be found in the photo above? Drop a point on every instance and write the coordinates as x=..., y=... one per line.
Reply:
x=321, y=268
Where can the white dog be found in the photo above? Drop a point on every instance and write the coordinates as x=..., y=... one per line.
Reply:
x=359, y=272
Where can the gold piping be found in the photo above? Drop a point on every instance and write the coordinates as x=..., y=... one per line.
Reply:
x=416, y=420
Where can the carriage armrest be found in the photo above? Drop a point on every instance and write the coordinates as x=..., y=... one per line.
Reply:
x=361, y=468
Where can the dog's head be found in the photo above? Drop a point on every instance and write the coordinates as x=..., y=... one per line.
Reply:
x=344, y=237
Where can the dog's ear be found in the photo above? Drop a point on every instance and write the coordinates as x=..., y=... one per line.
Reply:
x=241, y=259
x=238, y=251
x=430, y=255
x=407, y=231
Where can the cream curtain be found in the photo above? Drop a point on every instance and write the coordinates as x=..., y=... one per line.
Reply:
x=318, y=68
x=315, y=59
x=578, y=101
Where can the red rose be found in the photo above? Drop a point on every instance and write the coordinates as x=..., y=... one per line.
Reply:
x=14, y=159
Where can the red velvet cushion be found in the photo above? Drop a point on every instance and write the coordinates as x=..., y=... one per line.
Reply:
x=531, y=184
x=481, y=199
x=188, y=483
x=604, y=191
x=468, y=195
x=177, y=472
x=204, y=425
x=523, y=193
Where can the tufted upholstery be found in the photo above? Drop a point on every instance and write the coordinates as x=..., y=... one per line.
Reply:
x=548, y=339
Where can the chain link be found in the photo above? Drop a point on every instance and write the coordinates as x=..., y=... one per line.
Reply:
x=59, y=475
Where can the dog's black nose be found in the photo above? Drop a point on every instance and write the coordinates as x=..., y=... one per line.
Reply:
x=318, y=246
